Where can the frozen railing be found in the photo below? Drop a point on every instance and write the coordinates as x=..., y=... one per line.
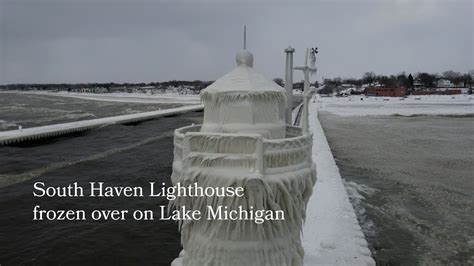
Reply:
x=248, y=151
x=276, y=174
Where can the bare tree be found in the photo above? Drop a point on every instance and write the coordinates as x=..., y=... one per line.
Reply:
x=369, y=77
x=451, y=75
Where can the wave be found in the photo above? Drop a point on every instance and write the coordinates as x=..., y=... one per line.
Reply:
x=5, y=125
x=357, y=194
x=10, y=179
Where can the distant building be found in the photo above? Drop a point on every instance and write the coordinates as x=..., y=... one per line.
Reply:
x=147, y=87
x=440, y=92
x=386, y=92
x=461, y=84
x=118, y=89
x=375, y=84
x=444, y=83
x=349, y=90
x=418, y=85
x=453, y=91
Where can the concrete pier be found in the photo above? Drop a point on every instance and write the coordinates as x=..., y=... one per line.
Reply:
x=331, y=235
x=35, y=133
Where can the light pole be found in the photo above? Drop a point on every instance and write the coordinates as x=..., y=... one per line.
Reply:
x=289, y=84
x=307, y=71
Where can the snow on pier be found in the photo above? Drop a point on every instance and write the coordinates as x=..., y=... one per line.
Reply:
x=16, y=136
x=331, y=234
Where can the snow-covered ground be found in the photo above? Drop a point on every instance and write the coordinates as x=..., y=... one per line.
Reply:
x=331, y=234
x=359, y=105
x=122, y=97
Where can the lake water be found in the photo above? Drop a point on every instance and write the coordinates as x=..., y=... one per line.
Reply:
x=118, y=155
x=411, y=182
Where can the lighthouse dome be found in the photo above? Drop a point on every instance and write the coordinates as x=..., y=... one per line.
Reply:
x=244, y=101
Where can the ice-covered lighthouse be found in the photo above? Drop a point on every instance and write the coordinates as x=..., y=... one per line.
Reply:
x=244, y=142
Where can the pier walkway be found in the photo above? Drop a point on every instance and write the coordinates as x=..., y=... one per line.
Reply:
x=35, y=133
x=331, y=233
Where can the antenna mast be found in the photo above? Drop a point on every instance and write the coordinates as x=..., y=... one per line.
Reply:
x=245, y=37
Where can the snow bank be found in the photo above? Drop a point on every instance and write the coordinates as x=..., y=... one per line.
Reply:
x=136, y=97
x=359, y=105
x=331, y=234
x=122, y=97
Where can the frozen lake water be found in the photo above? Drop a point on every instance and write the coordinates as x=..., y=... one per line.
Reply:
x=411, y=181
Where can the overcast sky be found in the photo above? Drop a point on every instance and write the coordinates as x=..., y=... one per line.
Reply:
x=52, y=41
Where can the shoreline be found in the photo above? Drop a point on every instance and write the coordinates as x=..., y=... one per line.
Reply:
x=119, y=97
x=361, y=106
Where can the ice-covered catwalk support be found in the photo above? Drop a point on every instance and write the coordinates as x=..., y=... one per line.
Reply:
x=244, y=142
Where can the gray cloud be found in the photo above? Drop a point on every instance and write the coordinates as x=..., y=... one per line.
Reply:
x=131, y=41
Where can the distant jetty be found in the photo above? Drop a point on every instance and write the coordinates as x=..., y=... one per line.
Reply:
x=36, y=133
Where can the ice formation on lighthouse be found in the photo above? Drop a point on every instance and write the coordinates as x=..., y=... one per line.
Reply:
x=244, y=101
x=244, y=142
